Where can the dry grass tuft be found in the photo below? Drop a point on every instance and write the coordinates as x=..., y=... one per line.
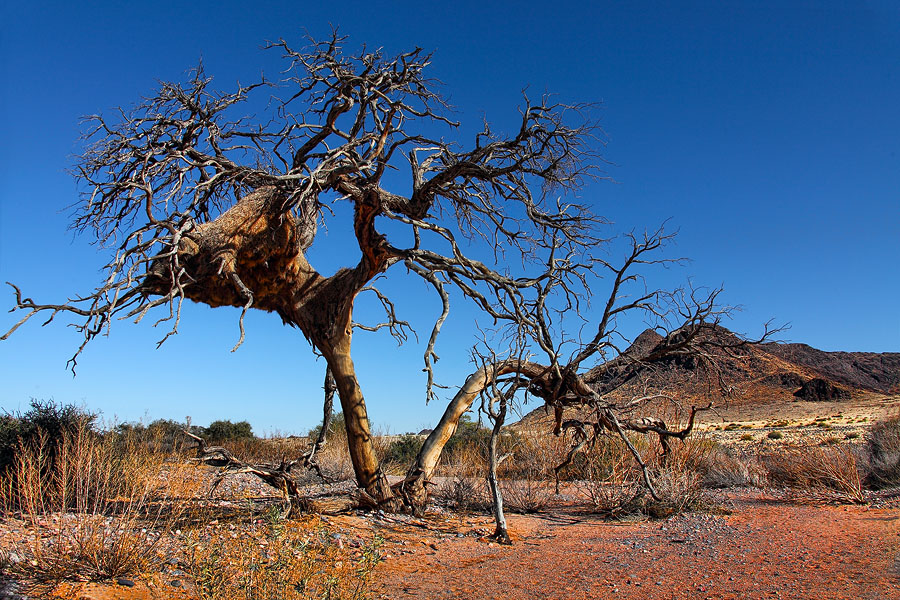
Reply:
x=96, y=505
x=824, y=472
x=883, y=450
x=284, y=560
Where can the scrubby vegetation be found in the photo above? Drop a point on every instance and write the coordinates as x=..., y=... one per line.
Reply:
x=106, y=502
x=45, y=424
x=401, y=451
x=125, y=501
x=883, y=451
x=226, y=431
x=298, y=560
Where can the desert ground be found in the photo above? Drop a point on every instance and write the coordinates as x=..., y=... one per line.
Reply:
x=747, y=544
x=738, y=541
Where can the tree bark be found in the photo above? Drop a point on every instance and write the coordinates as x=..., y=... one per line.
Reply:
x=369, y=475
x=413, y=486
x=310, y=457
x=501, y=533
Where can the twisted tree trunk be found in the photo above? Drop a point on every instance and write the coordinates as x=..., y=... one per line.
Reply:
x=413, y=486
x=369, y=475
x=501, y=532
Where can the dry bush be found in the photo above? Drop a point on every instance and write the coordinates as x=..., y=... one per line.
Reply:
x=465, y=494
x=611, y=481
x=718, y=466
x=96, y=510
x=525, y=472
x=821, y=471
x=883, y=453
x=614, y=486
x=526, y=495
x=526, y=477
x=90, y=547
x=678, y=490
x=678, y=485
x=284, y=560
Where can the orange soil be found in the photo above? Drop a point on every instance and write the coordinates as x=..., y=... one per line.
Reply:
x=763, y=549
x=757, y=547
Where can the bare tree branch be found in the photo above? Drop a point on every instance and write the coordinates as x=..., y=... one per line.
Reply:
x=192, y=199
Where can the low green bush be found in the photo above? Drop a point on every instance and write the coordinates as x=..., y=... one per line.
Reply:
x=403, y=450
x=468, y=433
x=226, y=431
x=337, y=427
x=46, y=422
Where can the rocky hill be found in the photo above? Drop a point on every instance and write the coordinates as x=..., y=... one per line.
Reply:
x=769, y=380
x=878, y=372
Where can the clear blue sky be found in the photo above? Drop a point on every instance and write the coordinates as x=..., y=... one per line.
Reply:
x=768, y=132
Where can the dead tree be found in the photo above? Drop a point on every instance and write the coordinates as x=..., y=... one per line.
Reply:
x=495, y=402
x=690, y=324
x=310, y=458
x=194, y=200
x=280, y=477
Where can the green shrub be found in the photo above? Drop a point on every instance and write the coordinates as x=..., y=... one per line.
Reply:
x=225, y=431
x=403, y=450
x=337, y=426
x=44, y=423
x=775, y=435
x=469, y=434
x=162, y=434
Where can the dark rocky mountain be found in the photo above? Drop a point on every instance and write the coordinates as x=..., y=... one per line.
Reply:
x=813, y=374
x=762, y=375
x=878, y=372
x=820, y=390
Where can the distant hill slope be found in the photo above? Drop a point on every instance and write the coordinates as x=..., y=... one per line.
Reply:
x=878, y=372
x=763, y=375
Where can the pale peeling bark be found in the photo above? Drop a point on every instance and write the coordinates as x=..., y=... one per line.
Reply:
x=501, y=531
x=413, y=486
